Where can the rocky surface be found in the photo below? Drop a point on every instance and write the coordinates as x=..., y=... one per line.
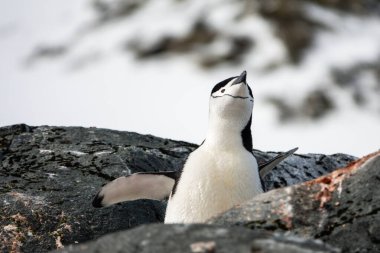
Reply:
x=342, y=208
x=299, y=168
x=198, y=238
x=49, y=175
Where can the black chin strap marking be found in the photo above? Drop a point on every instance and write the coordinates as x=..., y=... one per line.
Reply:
x=231, y=96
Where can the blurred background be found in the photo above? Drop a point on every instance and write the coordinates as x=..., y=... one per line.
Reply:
x=148, y=66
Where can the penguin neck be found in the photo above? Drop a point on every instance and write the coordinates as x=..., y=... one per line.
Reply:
x=228, y=134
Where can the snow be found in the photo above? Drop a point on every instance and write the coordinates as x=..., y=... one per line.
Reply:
x=99, y=83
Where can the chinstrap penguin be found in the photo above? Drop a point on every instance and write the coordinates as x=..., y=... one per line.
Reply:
x=220, y=173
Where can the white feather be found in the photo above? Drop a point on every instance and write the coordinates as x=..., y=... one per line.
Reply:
x=221, y=173
x=213, y=181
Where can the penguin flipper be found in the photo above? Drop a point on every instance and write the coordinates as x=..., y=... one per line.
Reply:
x=155, y=185
x=266, y=167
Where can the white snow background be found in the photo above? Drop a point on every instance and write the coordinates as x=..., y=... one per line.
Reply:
x=97, y=83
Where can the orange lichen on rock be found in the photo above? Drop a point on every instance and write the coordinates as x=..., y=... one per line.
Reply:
x=333, y=181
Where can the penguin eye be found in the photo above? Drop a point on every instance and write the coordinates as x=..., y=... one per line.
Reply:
x=222, y=90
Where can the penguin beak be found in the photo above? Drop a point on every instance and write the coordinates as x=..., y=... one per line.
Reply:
x=241, y=78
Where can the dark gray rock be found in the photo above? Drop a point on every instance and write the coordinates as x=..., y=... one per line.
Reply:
x=109, y=12
x=358, y=7
x=299, y=168
x=355, y=81
x=341, y=208
x=49, y=175
x=197, y=238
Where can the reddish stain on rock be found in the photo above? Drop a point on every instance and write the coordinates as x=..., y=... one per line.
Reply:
x=333, y=181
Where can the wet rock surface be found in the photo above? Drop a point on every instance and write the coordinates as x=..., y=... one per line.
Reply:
x=49, y=175
x=341, y=209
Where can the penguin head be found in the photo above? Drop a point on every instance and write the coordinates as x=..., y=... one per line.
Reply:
x=232, y=101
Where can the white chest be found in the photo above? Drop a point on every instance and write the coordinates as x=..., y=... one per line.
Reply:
x=213, y=182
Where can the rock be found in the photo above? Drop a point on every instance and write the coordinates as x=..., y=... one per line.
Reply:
x=46, y=52
x=197, y=238
x=295, y=28
x=239, y=46
x=198, y=41
x=110, y=11
x=315, y=105
x=49, y=175
x=341, y=209
x=299, y=168
x=200, y=34
x=362, y=81
x=359, y=7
